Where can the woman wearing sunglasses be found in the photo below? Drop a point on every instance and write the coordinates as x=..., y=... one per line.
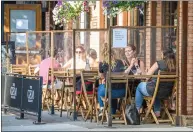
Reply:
x=80, y=59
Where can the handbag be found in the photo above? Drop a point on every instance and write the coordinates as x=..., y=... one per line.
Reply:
x=132, y=114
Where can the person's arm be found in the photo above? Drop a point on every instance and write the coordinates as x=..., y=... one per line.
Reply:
x=142, y=67
x=37, y=69
x=152, y=70
x=68, y=64
x=130, y=66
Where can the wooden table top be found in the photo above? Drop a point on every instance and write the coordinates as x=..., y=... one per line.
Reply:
x=125, y=75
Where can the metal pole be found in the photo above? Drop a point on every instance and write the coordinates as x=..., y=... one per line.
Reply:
x=74, y=73
x=86, y=33
x=109, y=81
x=21, y=106
x=62, y=98
x=52, y=76
x=40, y=100
x=177, y=85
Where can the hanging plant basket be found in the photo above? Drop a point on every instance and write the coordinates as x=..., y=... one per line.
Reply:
x=112, y=8
x=67, y=11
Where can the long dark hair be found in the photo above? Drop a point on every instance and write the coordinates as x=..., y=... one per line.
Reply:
x=170, y=60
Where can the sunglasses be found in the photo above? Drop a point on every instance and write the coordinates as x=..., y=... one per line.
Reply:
x=78, y=52
x=128, y=50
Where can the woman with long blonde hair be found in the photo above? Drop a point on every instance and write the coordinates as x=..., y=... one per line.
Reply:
x=118, y=90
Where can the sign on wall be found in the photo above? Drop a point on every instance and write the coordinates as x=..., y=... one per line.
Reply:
x=119, y=38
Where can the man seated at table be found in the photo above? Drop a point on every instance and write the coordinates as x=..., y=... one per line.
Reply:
x=43, y=70
x=118, y=90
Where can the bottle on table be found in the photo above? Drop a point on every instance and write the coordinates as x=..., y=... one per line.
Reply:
x=87, y=67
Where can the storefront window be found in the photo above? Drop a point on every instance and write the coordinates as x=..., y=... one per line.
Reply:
x=169, y=19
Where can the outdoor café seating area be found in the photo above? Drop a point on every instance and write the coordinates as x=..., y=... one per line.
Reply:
x=92, y=78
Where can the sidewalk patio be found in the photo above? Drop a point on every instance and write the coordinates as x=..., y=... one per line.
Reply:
x=56, y=123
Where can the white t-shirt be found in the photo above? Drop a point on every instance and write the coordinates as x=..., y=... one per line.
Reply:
x=80, y=64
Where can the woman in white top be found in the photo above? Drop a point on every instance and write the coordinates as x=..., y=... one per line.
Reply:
x=80, y=59
x=92, y=57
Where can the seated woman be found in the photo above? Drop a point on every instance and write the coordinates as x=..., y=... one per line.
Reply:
x=132, y=64
x=80, y=59
x=92, y=58
x=118, y=90
x=80, y=64
x=168, y=63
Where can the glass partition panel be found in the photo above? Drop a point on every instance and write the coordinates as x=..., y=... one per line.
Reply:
x=92, y=44
x=39, y=46
x=63, y=46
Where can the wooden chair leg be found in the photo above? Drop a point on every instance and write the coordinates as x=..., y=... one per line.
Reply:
x=81, y=106
x=123, y=112
x=46, y=99
x=104, y=110
x=87, y=114
x=66, y=99
x=168, y=114
x=106, y=113
x=154, y=117
x=62, y=99
x=43, y=99
x=92, y=103
x=129, y=96
x=78, y=98
x=96, y=110
x=148, y=111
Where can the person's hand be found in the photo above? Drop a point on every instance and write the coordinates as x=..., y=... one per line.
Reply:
x=133, y=60
x=103, y=81
x=145, y=72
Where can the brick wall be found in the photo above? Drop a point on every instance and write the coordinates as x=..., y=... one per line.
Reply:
x=148, y=34
x=158, y=31
x=190, y=59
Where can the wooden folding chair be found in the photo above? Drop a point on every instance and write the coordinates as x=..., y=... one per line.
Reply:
x=87, y=99
x=31, y=70
x=20, y=69
x=150, y=100
x=121, y=116
x=62, y=75
x=46, y=93
x=70, y=90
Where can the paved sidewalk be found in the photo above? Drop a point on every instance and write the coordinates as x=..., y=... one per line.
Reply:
x=56, y=123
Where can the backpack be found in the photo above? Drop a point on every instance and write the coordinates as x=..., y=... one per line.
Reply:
x=132, y=114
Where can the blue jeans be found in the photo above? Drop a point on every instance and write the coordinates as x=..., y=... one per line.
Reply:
x=116, y=93
x=142, y=91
